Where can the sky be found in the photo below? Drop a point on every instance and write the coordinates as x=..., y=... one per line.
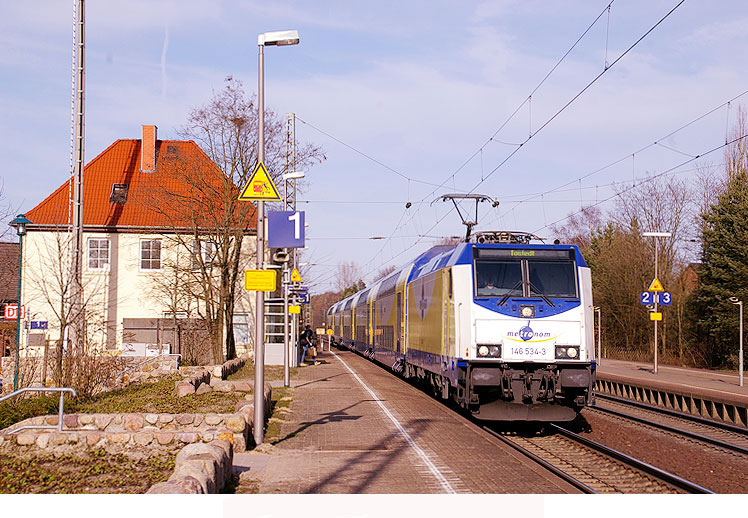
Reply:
x=408, y=100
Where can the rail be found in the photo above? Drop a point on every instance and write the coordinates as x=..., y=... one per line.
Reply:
x=60, y=413
x=143, y=363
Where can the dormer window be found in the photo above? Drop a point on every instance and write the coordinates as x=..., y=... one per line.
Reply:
x=119, y=193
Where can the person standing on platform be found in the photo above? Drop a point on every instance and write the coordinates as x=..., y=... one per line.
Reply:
x=306, y=342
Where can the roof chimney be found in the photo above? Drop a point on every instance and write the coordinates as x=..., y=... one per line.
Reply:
x=148, y=149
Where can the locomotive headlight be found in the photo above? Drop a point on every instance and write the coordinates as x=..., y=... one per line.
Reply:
x=569, y=352
x=489, y=351
x=527, y=311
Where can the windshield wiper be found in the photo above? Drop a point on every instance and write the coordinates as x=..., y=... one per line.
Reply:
x=506, y=297
x=540, y=294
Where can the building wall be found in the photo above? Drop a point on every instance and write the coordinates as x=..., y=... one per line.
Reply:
x=123, y=290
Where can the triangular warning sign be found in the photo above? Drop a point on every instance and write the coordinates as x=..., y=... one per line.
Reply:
x=295, y=276
x=260, y=186
x=656, y=286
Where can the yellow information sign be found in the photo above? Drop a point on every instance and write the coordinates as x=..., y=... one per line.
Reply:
x=296, y=276
x=294, y=310
x=656, y=286
x=259, y=280
x=655, y=316
x=260, y=186
x=330, y=332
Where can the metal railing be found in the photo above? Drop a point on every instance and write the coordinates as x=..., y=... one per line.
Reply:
x=60, y=413
x=143, y=363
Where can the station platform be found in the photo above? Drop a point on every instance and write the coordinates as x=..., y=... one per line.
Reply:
x=352, y=427
x=712, y=394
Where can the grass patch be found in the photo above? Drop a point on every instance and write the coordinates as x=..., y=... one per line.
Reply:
x=155, y=397
x=95, y=471
x=272, y=372
x=18, y=409
x=281, y=399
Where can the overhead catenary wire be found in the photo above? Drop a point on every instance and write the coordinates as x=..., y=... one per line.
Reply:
x=632, y=155
x=646, y=180
x=552, y=118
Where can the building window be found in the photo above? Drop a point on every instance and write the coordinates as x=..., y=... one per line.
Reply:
x=150, y=254
x=119, y=193
x=204, y=253
x=98, y=254
x=241, y=329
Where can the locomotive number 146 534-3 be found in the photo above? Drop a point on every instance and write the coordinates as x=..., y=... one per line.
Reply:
x=527, y=352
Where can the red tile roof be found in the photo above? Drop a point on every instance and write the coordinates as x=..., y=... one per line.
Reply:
x=186, y=188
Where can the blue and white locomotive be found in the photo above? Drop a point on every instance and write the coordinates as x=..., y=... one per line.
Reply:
x=502, y=327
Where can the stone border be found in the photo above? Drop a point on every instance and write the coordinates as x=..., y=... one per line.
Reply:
x=140, y=429
x=199, y=469
x=204, y=379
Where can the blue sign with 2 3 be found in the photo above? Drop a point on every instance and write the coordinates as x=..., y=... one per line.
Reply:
x=647, y=298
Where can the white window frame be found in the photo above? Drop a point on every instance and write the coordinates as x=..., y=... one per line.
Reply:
x=102, y=266
x=207, y=251
x=141, y=258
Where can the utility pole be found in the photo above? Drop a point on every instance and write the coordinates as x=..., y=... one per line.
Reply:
x=76, y=223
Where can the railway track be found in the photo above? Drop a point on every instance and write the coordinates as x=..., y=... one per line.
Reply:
x=593, y=467
x=713, y=433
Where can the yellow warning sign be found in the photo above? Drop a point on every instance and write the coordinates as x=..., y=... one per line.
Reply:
x=295, y=276
x=655, y=316
x=656, y=286
x=294, y=310
x=260, y=186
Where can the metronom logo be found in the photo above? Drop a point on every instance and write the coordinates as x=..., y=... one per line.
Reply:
x=526, y=333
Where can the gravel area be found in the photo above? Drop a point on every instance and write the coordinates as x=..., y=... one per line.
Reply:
x=712, y=468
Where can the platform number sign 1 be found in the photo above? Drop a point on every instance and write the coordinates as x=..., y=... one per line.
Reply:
x=286, y=229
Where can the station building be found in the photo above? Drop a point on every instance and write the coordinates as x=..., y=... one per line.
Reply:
x=152, y=216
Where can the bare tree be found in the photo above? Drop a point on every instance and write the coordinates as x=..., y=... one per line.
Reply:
x=50, y=284
x=348, y=274
x=208, y=221
x=579, y=227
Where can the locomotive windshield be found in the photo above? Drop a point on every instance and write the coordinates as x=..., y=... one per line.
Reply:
x=525, y=273
x=554, y=279
x=498, y=278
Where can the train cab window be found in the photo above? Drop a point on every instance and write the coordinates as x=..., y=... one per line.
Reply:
x=554, y=279
x=498, y=278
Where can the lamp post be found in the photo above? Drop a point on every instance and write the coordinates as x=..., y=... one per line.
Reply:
x=20, y=223
x=279, y=38
x=656, y=299
x=739, y=303
x=599, y=339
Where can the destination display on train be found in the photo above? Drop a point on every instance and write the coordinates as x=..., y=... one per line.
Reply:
x=518, y=253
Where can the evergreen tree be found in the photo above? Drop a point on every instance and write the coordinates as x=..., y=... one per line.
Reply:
x=724, y=270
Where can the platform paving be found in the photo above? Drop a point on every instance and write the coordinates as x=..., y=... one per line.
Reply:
x=340, y=437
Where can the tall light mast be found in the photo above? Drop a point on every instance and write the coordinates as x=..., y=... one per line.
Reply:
x=76, y=223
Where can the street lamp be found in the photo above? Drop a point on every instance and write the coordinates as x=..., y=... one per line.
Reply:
x=20, y=223
x=739, y=303
x=599, y=340
x=279, y=38
x=290, y=175
x=656, y=299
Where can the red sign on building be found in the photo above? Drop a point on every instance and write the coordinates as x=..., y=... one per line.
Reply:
x=11, y=312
